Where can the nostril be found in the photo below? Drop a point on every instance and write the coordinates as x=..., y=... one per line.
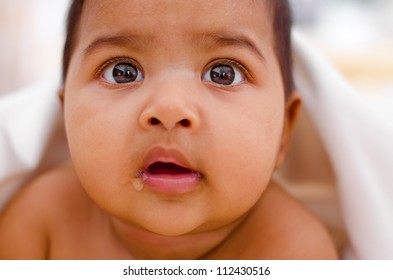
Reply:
x=185, y=123
x=154, y=121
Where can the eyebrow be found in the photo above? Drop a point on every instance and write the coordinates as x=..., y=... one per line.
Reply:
x=212, y=40
x=130, y=41
x=206, y=40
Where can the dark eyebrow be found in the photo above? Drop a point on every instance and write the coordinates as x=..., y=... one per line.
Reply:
x=130, y=41
x=139, y=42
x=214, y=40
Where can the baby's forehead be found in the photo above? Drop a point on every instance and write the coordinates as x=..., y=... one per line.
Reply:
x=157, y=19
x=179, y=13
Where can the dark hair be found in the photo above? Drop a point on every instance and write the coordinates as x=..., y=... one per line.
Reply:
x=282, y=22
x=281, y=17
x=73, y=19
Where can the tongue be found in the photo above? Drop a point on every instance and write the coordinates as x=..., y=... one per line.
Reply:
x=167, y=168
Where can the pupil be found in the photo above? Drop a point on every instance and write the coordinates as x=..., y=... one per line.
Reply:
x=124, y=73
x=222, y=74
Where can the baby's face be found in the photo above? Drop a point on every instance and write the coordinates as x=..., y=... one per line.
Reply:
x=174, y=110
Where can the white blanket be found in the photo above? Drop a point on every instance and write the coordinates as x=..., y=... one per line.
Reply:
x=356, y=132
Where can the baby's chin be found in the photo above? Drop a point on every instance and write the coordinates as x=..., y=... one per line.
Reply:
x=191, y=227
x=174, y=227
x=156, y=228
x=171, y=231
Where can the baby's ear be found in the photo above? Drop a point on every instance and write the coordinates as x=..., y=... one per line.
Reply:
x=292, y=111
x=60, y=94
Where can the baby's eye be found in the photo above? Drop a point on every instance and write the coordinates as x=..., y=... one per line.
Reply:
x=122, y=73
x=223, y=74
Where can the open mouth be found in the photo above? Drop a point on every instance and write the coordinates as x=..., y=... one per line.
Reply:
x=167, y=168
x=168, y=178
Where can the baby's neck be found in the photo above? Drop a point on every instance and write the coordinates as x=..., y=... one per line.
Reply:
x=146, y=245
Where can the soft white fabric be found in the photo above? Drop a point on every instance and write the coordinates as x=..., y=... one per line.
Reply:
x=356, y=131
x=31, y=135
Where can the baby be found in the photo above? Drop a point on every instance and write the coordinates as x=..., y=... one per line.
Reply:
x=177, y=113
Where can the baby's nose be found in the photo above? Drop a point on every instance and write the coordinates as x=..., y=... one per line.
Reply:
x=168, y=116
x=170, y=108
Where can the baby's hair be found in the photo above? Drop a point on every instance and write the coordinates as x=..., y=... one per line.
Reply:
x=281, y=19
x=282, y=23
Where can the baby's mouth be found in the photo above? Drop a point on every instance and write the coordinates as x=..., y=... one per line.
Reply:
x=168, y=178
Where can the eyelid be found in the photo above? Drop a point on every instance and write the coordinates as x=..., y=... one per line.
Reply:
x=234, y=63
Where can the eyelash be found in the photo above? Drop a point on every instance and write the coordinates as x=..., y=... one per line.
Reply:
x=100, y=70
x=231, y=62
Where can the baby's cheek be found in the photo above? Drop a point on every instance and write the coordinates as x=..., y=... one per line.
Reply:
x=90, y=147
x=241, y=174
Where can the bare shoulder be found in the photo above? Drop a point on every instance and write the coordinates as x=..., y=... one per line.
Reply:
x=295, y=233
x=281, y=228
x=27, y=221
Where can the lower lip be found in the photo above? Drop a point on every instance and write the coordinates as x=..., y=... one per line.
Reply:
x=171, y=183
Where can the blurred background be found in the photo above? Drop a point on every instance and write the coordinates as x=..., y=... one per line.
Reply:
x=31, y=39
x=357, y=35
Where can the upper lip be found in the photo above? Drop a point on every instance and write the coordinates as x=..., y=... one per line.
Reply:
x=166, y=155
